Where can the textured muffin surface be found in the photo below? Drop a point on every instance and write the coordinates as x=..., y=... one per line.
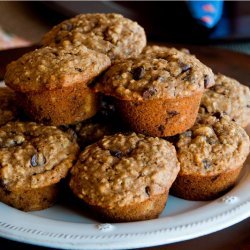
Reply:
x=8, y=111
x=123, y=170
x=111, y=34
x=169, y=73
x=212, y=146
x=230, y=97
x=34, y=156
x=54, y=68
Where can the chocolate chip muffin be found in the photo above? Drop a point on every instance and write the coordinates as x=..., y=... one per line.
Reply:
x=89, y=131
x=229, y=97
x=52, y=83
x=33, y=160
x=157, y=93
x=8, y=109
x=125, y=177
x=110, y=34
x=211, y=156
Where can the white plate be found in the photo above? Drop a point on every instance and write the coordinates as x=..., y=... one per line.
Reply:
x=67, y=226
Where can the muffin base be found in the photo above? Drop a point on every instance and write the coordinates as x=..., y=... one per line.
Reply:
x=31, y=200
x=202, y=188
x=146, y=210
x=160, y=117
x=60, y=106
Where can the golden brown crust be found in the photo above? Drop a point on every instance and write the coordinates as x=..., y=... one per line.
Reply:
x=146, y=210
x=8, y=109
x=215, y=144
x=211, y=156
x=55, y=68
x=200, y=187
x=173, y=74
x=60, y=106
x=161, y=117
x=34, y=156
x=228, y=97
x=31, y=199
x=121, y=173
x=111, y=34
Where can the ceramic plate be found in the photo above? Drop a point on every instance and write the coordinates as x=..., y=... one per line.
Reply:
x=69, y=226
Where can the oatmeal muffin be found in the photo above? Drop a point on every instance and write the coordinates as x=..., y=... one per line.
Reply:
x=125, y=177
x=8, y=110
x=33, y=160
x=89, y=131
x=52, y=83
x=229, y=97
x=158, y=94
x=110, y=34
x=211, y=156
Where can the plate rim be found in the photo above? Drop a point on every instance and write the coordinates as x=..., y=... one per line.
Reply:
x=234, y=205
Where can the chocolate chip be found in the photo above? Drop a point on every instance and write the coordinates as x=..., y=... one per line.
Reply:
x=206, y=163
x=184, y=67
x=218, y=115
x=37, y=160
x=213, y=88
x=138, y=73
x=161, y=128
x=248, y=106
x=172, y=113
x=147, y=190
x=116, y=153
x=206, y=81
x=149, y=92
x=79, y=69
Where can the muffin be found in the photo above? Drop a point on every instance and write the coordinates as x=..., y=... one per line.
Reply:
x=157, y=94
x=211, y=156
x=52, y=83
x=125, y=177
x=8, y=110
x=229, y=97
x=33, y=160
x=89, y=131
x=110, y=34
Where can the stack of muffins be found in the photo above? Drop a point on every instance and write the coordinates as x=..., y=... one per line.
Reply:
x=125, y=122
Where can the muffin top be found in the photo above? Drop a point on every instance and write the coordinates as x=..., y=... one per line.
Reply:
x=213, y=145
x=33, y=155
x=124, y=169
x=88, y=132
x=230, y=97
x=8, y=110
x=111, y=34
x=54, y=68
x=159, y=72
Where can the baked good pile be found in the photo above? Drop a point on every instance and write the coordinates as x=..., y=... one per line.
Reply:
x=121, y=123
